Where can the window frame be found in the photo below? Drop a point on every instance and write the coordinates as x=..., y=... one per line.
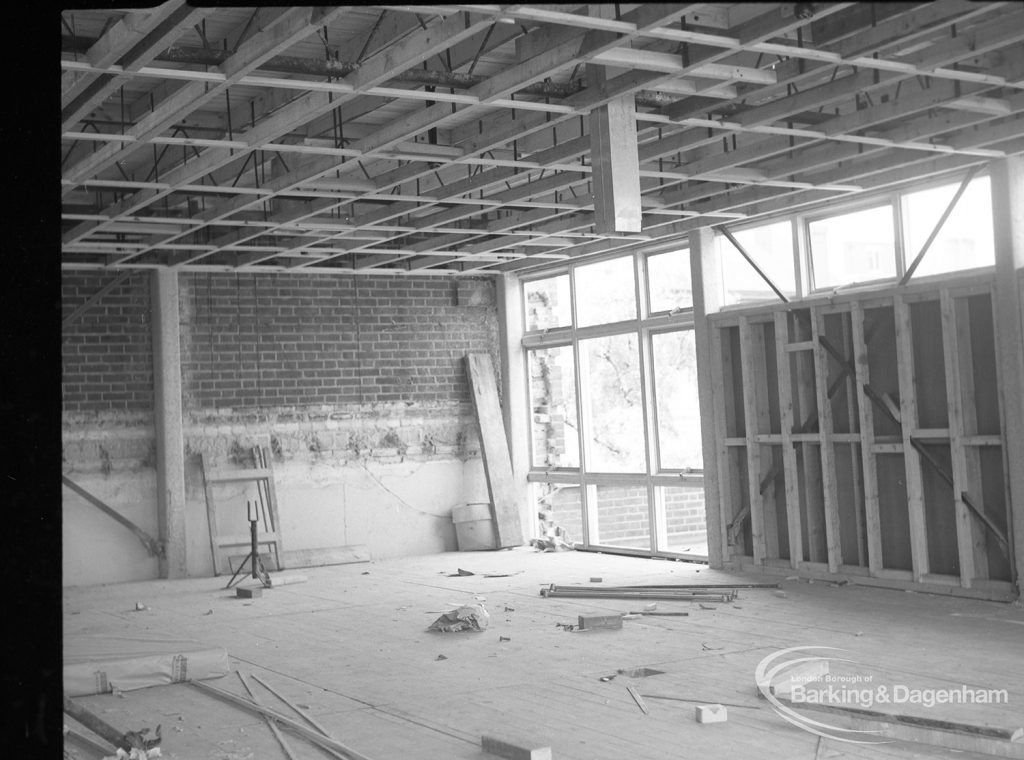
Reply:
x=867, y=204
x=646, y=324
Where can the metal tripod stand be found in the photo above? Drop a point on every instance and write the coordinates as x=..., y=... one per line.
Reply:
x=259, y=572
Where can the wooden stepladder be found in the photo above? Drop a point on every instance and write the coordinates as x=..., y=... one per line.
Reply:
x=224, y=548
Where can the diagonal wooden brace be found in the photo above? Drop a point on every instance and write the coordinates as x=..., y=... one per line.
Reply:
x=153, y=546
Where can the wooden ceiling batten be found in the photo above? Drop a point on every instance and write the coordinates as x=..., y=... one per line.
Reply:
x=395, y=163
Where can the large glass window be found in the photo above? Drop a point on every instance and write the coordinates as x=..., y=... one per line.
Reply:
x=668, y=278
x=853, y=248
x=964, y=241
x=605, y=292
x=771, y=248
x=614, y=424
x=685, y=526
x=621, y=366
x=623, y=516
x=677, y=408
x=553, y=408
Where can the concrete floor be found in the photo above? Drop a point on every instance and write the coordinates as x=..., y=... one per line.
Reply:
x=351, y=645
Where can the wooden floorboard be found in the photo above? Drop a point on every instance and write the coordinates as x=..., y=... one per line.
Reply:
x=351, y=645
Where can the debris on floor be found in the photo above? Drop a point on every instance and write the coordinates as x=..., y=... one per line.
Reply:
x=553, y=537
x=639, y=672
x=689, y=592
x=594, y=622
x=100, y=664
x=468, y=617
x=317, y=735
x=132, y=744
x=135, y=754
x=638, y=699
x=514, y=748
x=699, y=701
x=551, y=544
x=284, y=580
x=711, y=714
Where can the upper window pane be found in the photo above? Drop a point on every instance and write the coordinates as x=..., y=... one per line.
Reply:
x=771, y=247
x=605, y=292
x=965, y=240
x=668, y=281
x=853, y=248
x=547, y=303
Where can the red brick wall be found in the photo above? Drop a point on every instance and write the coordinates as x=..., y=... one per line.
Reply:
x=302, y=340
x=622, y=512
x=107, y=353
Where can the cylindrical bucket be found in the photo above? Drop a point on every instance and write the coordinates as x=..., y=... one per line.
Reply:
x=474, y=528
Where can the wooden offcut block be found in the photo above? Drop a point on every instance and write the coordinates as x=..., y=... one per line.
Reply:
x=590, y=622
x=514, y=748
x=246, y=592
x=711, y=714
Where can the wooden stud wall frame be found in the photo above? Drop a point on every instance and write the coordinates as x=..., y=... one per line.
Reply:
x=861, y=437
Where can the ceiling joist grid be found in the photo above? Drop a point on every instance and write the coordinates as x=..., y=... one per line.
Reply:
x=450, y=139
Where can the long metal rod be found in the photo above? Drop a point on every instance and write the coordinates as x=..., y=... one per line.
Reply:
x=736, y=243
x=266, y=718
x=938, y=225
x=309, y=734
x=308, y=718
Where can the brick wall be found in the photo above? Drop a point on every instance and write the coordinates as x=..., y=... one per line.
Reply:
x=358, y=385
x=622, y=513
x=107, y=352
x=293, y=340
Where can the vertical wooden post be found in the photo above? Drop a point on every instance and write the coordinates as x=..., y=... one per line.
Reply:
x=806, y=397
x=170, y=447
x=1007, y=177
x=752, y=361
x=872, y=519
x=726, y=471
x=969, y=426
x=951, y=350
x=706, y=279
x=851, y=416
x=827, y=450
x=908, y=420
x=796, y=546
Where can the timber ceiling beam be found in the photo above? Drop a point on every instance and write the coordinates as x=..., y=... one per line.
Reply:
x=460, y=139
